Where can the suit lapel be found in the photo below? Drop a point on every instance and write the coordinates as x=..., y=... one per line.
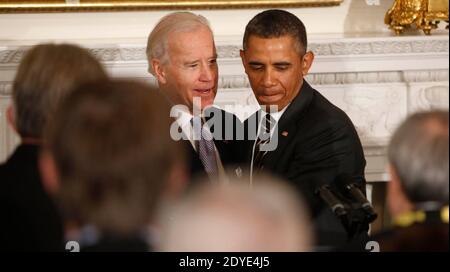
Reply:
x=287, y=125
x=216, y=121
x=195, y=164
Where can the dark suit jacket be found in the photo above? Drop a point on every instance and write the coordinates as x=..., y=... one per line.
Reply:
x=230, y=151
x=429, y=235
x=116, y=243
x=30, y=220
x=316, y=142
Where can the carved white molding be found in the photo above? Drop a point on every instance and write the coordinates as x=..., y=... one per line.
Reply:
x=106, y=53
x=12, y=56
x=241, y=81
x=376, y=150
x=233, y=82
x=327, y=47
x=375, y=109
x=423, y=96
x=8, y=138
x=378, y=77
x=120, y=54
x=426, y=76
x=337, y=48
x=380, y=47
x=5, y=88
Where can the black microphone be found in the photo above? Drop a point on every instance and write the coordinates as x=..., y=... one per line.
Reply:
x=345, y=183
x=332, y=200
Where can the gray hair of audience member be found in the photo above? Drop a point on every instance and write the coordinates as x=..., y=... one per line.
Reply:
x=111, y=146
x=157, y=42
x=419, y=154
x=235, y=217
x=46, y=74
x=275, y=23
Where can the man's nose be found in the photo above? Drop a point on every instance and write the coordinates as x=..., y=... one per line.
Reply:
x=207, y=73
x=268, y=80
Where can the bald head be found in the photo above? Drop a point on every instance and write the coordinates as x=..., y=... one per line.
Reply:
x=268, y=217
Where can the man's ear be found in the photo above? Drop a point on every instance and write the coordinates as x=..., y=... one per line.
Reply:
x=397, y=200
x=49, y=172
x=308, y=59
x=11, y=118
x=158, y=68
x=244, y=62
x=393, y=187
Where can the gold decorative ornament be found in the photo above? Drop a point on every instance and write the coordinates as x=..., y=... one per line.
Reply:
x=7, y=6
x=425, y=14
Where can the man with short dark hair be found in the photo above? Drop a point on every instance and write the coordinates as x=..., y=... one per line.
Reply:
x=315, y=140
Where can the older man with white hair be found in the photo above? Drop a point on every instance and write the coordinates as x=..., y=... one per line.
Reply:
x=182, y=57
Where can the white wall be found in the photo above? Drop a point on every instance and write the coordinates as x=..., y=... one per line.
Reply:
x=351, y=17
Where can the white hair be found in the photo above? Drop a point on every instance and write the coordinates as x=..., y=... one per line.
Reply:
x=174, y=22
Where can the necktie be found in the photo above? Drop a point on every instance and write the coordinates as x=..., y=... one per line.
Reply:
x=205, y=146
x=263, y=138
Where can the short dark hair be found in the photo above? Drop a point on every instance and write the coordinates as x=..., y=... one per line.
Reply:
x=112, y=148
x=275, y=23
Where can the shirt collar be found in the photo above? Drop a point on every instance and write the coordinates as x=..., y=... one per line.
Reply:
x=275, y=115
x=183, y=116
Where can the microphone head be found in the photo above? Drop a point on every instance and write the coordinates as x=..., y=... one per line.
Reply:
x=318, y=184
x=344, y=182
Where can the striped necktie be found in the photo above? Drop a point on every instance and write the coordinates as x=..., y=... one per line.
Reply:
x=205, y=147
x=263, y=138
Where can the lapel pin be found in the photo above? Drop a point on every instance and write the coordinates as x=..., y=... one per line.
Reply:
x=238, y=172
x=284, y=133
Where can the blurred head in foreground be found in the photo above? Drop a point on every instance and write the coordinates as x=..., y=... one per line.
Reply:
x=47, y=74
x=417, y=193
x=109, y=155
x=418, y=156
x=235, y=217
